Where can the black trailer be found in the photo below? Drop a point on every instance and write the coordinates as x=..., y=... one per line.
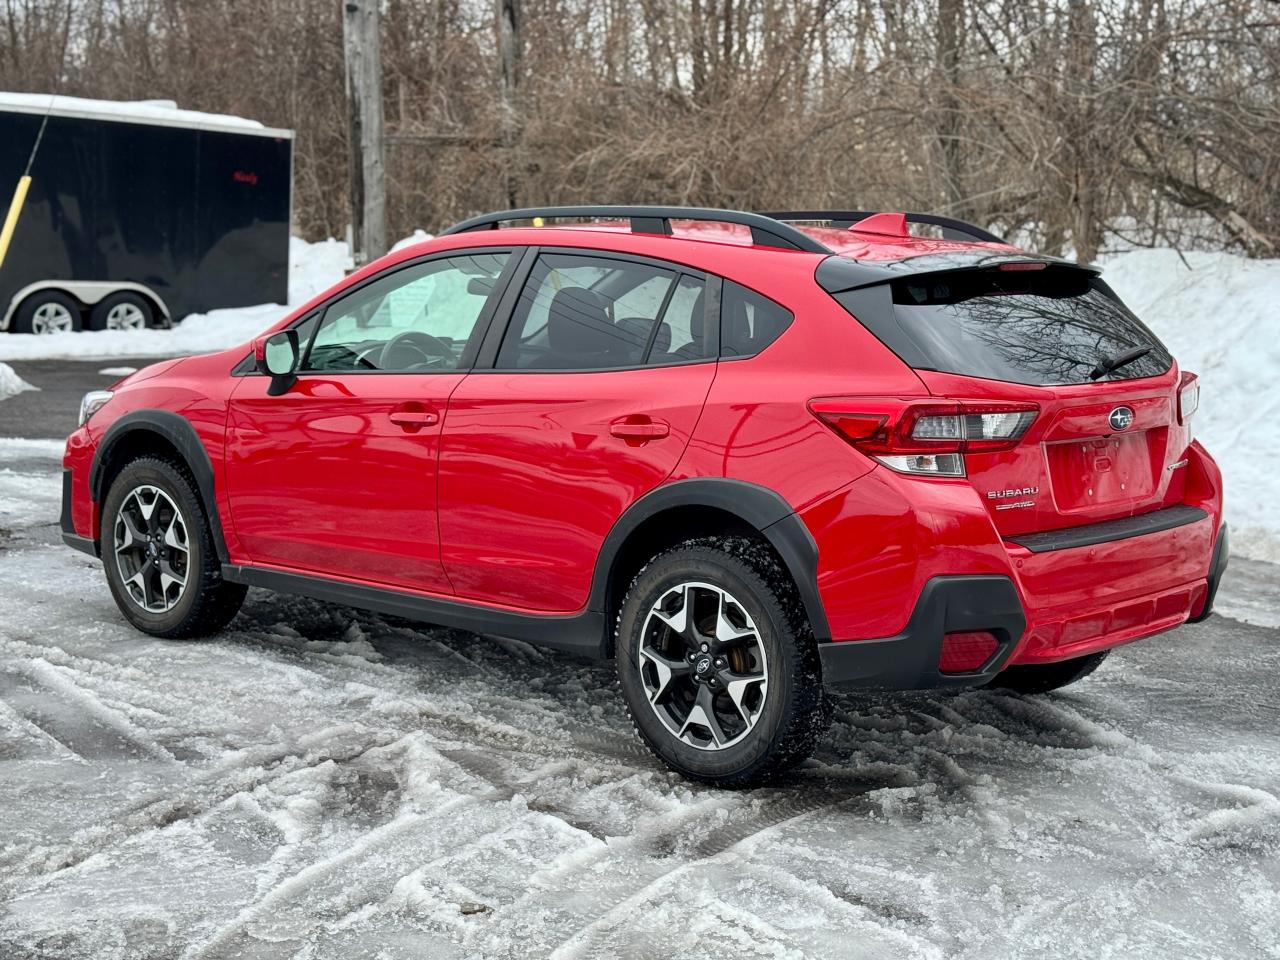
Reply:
x=139, y=214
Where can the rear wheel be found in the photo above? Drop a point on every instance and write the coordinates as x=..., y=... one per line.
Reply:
x=47, y=311
x=1043, y=677
x=121, y=311
x=158, y=553
x=718, y=664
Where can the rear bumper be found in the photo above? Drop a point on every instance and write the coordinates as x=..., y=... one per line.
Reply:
x=909, y=660
x=1221, y=556
x=1087, y=598
x=1063, y=599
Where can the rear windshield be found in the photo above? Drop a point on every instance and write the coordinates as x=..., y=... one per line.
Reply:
x=1040, y=327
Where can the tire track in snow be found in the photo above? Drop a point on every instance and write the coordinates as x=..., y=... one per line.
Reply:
x=591, y=938
x=84, y=701
x=239, y=773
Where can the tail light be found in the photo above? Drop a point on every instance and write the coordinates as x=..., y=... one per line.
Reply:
x=1188, y=397
x=926, y=437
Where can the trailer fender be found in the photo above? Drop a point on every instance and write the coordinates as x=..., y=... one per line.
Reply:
x=88, y=292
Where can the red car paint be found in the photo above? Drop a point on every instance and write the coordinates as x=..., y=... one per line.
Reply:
x=498, y=488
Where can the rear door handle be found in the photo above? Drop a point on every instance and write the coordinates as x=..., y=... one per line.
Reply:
x=639, y=427
x=412, y=420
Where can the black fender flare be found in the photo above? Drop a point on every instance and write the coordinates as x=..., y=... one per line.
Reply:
x=762, y=508
x=182, y=436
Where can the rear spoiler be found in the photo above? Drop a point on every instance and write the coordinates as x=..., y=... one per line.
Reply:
x=837, y=274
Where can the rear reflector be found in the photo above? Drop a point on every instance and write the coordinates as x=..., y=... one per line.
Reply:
x=966, y=652
x=926, y=437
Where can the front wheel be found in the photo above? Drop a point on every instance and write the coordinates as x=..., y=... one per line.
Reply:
x=1043, y=677
x=718, y=664
x=159, y=556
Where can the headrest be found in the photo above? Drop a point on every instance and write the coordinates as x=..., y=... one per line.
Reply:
x=578, y=323
x=698, y=319
x=633, y=333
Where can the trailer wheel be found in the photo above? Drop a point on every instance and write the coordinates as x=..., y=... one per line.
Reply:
x=47, y=311
x=121, y=311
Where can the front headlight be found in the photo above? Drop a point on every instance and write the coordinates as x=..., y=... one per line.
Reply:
x=92, y=401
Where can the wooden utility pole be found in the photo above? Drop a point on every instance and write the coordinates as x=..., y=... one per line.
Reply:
x=509, y=54
x=360, y=24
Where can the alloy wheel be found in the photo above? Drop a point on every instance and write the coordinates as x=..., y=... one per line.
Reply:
x=51, y=318
x=151, y=549
x=126, y=316
x=703, y=665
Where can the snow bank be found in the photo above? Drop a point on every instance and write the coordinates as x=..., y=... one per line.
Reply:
x=147, y=111
x=418, y=236
x=312, y=268
x=1220, y=315
x=11, y=383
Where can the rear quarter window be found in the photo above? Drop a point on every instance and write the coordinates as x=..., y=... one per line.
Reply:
x=749, y=322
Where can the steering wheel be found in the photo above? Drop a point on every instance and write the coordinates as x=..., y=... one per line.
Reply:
x=412, y=347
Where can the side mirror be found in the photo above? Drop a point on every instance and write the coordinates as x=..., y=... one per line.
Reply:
x=278, y=356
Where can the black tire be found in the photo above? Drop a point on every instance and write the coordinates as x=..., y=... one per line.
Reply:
x=31, y=315
x=135, y=306
x=1043, y=677
x=792, y=713
x=206, y=603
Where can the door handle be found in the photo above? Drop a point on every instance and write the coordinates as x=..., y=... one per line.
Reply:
x=639, y=427
x=414, y=419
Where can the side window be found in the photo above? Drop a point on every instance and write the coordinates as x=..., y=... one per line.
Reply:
x=682, y=333
x=415, y=320
x=585, y=313
x=748, y=321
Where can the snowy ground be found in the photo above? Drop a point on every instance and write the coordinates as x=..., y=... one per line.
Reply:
x=323, y=783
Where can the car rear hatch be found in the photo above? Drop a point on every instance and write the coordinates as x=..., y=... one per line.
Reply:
x=1030, y=351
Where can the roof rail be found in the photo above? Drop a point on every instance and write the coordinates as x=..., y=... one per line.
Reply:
x=765, y=232
x=952, y=229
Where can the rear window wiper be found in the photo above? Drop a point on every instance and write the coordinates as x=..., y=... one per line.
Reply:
x=1108, y=364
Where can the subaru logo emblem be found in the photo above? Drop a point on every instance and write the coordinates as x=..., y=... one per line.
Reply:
x=1120, y=418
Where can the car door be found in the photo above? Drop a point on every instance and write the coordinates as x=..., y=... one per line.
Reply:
x=337, y=475
x=589, y=403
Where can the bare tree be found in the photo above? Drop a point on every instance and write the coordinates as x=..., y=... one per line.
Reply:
x=1065, y=123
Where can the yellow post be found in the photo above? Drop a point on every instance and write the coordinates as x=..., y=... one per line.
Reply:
x=11, y=221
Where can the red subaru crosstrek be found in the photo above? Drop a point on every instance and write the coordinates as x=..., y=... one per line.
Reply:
x=746, y=458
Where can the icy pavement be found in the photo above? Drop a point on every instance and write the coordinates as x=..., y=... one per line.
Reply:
x=323, y=783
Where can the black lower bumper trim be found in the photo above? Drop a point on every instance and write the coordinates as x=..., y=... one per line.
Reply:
x=67, y=525
x=83, y=544
x=1221, y=556
x=909, y=661
x=1108, y=530
x=65, y=521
